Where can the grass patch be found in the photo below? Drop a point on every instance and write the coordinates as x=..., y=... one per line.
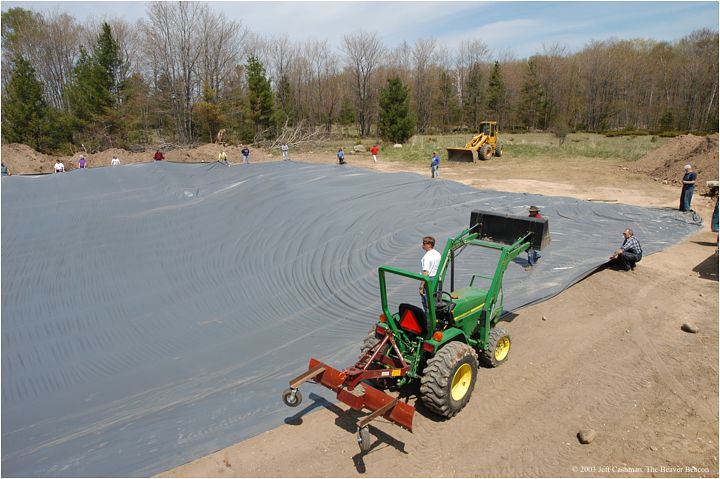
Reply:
x=419, y=148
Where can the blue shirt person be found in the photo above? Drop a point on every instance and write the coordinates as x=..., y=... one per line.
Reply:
x=435, y=165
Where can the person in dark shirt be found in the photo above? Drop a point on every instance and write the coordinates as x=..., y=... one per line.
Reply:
x=533, y=254
x=688, y=188
x=629, y=253
x=158, y=156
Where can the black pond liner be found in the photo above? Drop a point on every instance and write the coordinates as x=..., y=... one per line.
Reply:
x=153, y=313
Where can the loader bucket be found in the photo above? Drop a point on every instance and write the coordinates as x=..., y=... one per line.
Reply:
x=506, y=229
x=364, y=396
x=462, y=154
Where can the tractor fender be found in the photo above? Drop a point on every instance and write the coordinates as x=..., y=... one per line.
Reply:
x=448, y=335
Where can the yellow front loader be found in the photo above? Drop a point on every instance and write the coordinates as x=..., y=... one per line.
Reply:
x=482, y=146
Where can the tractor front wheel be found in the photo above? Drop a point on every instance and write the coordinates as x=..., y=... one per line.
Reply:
x=486, y=151
x=498, y=348
x=449, y=379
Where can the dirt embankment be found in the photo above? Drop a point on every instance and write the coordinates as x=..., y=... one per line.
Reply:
x=23, y=160
x=667, y=163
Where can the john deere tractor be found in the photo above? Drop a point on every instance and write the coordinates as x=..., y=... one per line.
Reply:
x=483, y=146
x=441, y=347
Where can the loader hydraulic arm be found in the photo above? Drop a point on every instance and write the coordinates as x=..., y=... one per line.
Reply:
x=507, y=254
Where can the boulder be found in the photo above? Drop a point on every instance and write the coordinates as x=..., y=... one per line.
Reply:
x=586, y=436
x=689, y=328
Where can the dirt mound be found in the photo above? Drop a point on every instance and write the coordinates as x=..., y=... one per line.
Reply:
x=667, y=162
x=21, y=159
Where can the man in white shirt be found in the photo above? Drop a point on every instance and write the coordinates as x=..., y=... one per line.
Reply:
x=59, y=167
x=115, y=161
x=428, y=265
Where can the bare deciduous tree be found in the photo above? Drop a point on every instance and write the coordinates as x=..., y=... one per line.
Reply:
x=364, y=52
x=423, y=61
x=221, y=48
x=173, y=32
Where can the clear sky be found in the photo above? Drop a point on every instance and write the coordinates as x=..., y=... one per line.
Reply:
x=518, y=28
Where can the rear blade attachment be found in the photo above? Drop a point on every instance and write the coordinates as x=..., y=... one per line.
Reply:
x=357, y=396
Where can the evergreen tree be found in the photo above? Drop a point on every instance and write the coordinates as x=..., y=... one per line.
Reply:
x=89, y=91
x=107, y=56
x=260, y=96
x=496, y=94
x=24, y=112
x=533, y=103
x=95, y=92
x=473, y=97
x=396, y=122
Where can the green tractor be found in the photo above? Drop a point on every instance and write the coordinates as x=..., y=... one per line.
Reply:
x=441, y=348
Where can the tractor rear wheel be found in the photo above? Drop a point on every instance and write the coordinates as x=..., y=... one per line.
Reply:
x=498, y=149
x=486, y=151
x=449, y=379
x=498, y=348
x=370, y=341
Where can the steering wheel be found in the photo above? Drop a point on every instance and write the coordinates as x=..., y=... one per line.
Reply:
x=449, y=296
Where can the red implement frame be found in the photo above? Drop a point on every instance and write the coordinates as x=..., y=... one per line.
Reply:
x=358, y=396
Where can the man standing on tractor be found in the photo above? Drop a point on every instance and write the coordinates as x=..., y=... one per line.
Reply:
x=428, y=265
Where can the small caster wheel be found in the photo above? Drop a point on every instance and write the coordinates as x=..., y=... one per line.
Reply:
x=363, y=439
x=292, y=397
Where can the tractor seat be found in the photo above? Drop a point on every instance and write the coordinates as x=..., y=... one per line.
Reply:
x=412, y=318
x=444, y=313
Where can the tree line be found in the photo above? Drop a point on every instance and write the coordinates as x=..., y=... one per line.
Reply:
x=185, y=72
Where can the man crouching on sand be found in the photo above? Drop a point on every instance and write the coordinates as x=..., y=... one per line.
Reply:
x=629, y=253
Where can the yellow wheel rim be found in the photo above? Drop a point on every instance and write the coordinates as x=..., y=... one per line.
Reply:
x=502, y=348
x=461, y=382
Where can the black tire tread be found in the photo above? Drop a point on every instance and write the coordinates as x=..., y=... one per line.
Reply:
x=498, y=149
x=487, y=357
x=481, y=152
x=436, y=376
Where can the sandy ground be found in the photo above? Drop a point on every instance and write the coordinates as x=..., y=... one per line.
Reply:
x=607, y=354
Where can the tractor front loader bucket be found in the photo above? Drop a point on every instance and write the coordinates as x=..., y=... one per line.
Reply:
x=461, y=154
x=361, y=397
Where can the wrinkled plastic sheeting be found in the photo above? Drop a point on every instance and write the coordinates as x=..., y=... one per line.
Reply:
x=153, y=313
